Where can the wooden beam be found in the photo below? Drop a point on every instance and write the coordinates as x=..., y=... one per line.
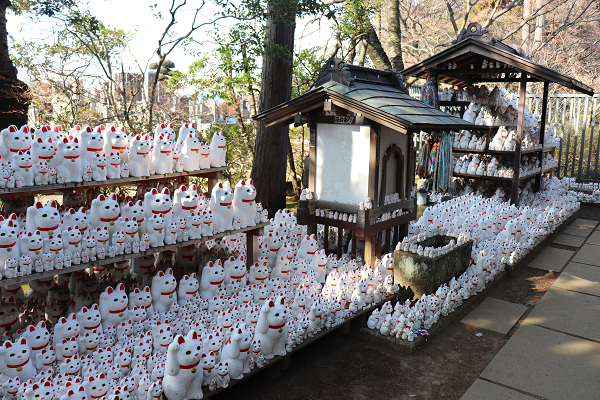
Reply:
x=514, y=189
x=373, y=183
x=538, y=178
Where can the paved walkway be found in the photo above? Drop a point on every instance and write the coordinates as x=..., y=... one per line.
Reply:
x=555, y=353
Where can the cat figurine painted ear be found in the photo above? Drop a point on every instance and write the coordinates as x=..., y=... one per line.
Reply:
x=218, y=150
x=244, y=203
x=92, y=143
x=15, y=360
x=211, y=279
x=43, y=150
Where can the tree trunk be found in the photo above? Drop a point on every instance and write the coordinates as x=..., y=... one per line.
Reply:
x=15, y=95
x=526, y=29
x=375, y=50
x=540, y=25
x=394, y=48
x=271, y=148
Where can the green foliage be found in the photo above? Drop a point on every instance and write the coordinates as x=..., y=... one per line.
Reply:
x=307, y=64
x=49, y=8
x=238, y=161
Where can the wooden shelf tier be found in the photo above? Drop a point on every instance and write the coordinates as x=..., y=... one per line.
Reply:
x=454, y=103
x=213, y=173
x=251, y=230
x=497, y=152
x=483, y=177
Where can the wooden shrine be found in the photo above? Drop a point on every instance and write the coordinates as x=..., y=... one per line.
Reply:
x=462, y=64
x=361, y=124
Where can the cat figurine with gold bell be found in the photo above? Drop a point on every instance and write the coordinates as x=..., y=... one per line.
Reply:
x=43, y=218
x=105, y=213
x=244, y=202
x=15, y=360
x=139, y=156
x=163, y=290
x=8, y=241
x=113, y=306
x=183, y=371
x=22, y=164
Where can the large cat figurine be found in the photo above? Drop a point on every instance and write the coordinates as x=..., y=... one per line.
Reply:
x=156, y=203
x=236, y=351
x=139, y=156
x=116, y=141
x=211, y=280
x=190, y=153
x=244, y=203
x=68, y=160
x=221, y=207
x=43, y=150
x=38, y=338
x=15, y=360
x=45, y=219
x=183, y=374
x=105, y=213
x=185, y=201
x=113, y=306
x=8, y=242
x=163, y=290
x=92, y=143
x=271, y=328
x=136, y=210
x=13, y=140
x=162, y=155
x=217, y=150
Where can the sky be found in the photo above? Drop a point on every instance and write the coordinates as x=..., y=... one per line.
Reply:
x=136, y=15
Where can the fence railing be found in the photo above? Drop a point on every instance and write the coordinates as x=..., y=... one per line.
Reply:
x=576, y=121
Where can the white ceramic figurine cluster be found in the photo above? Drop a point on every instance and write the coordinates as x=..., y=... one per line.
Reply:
x=50, y=156
x=319, y=212
x=47, y=239
x=410, y=243
x=184, y=336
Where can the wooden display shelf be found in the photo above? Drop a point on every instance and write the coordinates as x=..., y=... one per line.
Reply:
x=284, y=362
x=483, y=177
x=47, y=189
x=454, y=103
x=549, y=169
x=251, y=231
x=497, y=152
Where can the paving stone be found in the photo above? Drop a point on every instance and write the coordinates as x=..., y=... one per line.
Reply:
x=551, y=259
x=569, y=240
x=495, y=315
x=481, y=389
x=569, y=312
x=580, y=277
x=548, y=364
x=588, y=254
x=585, y=223
x=577, y=231
x=594, y=238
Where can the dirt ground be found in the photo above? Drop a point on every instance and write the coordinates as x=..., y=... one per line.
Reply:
x=360, y=369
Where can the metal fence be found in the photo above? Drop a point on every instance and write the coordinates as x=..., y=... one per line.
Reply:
x=576, y=120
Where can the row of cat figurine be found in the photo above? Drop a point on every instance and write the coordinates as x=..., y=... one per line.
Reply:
x=45, y=240
x=86, y=154
x=185, y=336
